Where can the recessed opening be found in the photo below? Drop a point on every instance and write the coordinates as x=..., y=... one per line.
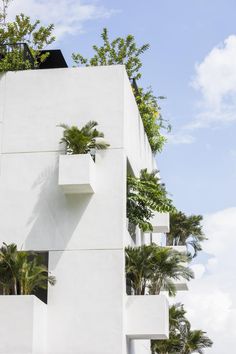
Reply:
x=42, y=294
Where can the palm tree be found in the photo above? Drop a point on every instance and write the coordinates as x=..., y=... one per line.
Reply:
x=84, y=140
x=150, y=268
x=185, y=230
x=182, y=339
x=8, y=268
x=168, y=268
x=195, y=341
x=139, y=267
x=32, y=274
x=22, y=272
x=177, y=322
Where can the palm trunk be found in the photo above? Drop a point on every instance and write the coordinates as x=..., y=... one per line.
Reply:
x=14, y=286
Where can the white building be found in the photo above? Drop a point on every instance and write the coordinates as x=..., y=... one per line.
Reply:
x=81, y=223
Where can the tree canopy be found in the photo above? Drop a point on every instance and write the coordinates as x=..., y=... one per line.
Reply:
x=151, y=269
x=22, y=30
x=182, y=339
x=186, y=230
x=145, y=195
x=125, y=51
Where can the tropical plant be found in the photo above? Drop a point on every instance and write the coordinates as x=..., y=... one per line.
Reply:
x=32, y=274
x=8, y=268
x=151, y=269
x=195, y=341
x=145, y=195
x=186, y=230
x=177, y=324
x=182, y=339
x=22, y=30
x=126, y=52
x=153, y=122
x=119, y=51
x=84, y=140
x=3, y=11
x=22, y=273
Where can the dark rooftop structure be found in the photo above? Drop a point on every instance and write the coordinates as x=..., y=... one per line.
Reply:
x=54, y=60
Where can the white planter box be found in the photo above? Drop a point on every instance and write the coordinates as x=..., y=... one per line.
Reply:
x=147, y=317
x=23, y=325
x=160, y=222
x=77, y=173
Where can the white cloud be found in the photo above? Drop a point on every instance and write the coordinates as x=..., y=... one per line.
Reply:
x=180, y=138
x=215, y=79
x=67, y=15
x=199, y=270
x=211, y=301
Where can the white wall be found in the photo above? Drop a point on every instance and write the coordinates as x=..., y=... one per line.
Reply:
x=85, y=234
x=87, y=295
x=136, y=143
x=23, y=325
x=139, y=346
x=147, y=317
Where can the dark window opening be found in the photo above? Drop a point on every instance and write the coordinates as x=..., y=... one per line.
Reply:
x=42, y=294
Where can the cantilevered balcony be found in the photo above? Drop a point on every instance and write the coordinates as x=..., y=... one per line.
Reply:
x=23, y=327
x=147, y=317
x=160, y=222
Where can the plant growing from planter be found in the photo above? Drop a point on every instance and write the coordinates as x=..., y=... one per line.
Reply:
x=145, y=195
x=83, y=141
x=22, y=273
x=182, y=339
x=151, y=269
x=185, y=230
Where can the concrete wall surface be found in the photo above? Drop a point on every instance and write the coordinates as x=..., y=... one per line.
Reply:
x=85, y=234
x=147, y=317
x=23, y=327
x=139, y=346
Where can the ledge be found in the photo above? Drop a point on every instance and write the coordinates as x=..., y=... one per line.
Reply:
x=160, y=222
x=147, y=317
x=23, y=328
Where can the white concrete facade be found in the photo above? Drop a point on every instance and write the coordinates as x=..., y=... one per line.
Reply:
x=23, y=326
x=147, y=317
x=84, y=233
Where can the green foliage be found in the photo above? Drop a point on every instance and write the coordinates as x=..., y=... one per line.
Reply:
x=177, y=323
x=22, y=30
x=3, y=11
x=152, y=269
x=84, y=140
x=182, y=339
x=153, y=122
x=125, y=51
x=195, y=342
x=145, y=195
x=119, y=51
x=22, y=273
x=186, y=230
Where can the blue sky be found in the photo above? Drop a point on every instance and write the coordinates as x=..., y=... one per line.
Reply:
x=200, y=175
x=192, y=61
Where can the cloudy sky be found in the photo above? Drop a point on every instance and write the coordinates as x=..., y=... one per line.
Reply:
x=192, y=61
